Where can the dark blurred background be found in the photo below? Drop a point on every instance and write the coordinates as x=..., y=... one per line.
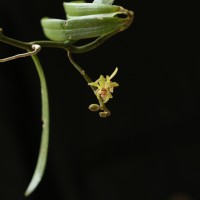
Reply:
x=149, y=149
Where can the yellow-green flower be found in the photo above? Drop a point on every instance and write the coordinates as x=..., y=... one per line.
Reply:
x=105, y=86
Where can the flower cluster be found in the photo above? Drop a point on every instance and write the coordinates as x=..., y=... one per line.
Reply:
x=105, y=87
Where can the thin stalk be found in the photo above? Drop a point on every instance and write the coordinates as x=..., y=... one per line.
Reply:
x=67, y=45
x=15, y=43
x=90, y=46
x=35, y=49
x=79, y=69
x=42, y=157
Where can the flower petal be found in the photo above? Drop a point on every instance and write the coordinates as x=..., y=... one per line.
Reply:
x=114, y=84
x=94, y=84
x=114, y=73
x=101, y=81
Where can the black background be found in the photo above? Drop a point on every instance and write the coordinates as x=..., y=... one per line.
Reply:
x=147, y=150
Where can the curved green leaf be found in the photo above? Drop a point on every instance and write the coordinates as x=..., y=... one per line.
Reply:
x=42, y=158
x=86, y=26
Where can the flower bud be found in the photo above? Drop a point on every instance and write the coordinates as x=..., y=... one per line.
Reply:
x=104, y=114
x=94, y=107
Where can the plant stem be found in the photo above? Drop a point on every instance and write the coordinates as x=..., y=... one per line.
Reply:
x=79, y=69
x=15, y=43
x=90, y=46
x=42, y=158
x=67, y=45
x=35, y=49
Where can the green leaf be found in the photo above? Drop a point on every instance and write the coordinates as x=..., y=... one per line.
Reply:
x=42, y=157
x=83, y=9
x=85, y=26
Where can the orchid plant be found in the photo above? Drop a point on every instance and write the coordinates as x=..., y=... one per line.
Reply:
x=99, y=20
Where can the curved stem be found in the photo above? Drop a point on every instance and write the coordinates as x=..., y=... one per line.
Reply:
x=15, y=43
x=36, y=48
x=80, y=69
x=90, y=46
x=67, y=45
x=42, y=158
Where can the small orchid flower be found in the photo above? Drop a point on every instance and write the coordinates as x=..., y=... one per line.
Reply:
x=105, y=86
